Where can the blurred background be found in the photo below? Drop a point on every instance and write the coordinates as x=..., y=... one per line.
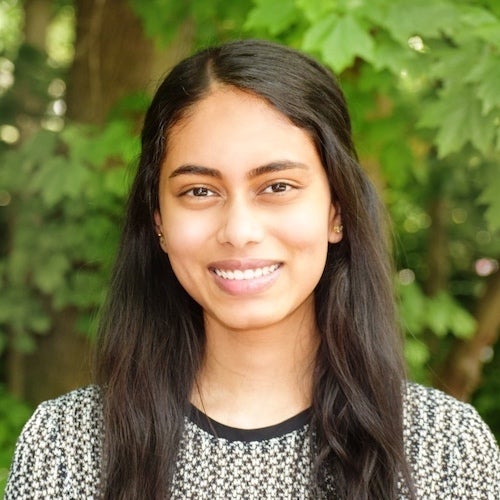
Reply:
x=422, y=82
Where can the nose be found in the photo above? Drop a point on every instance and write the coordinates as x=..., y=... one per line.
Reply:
x=240, y=224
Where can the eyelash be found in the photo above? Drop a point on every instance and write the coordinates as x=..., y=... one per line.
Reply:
x=283, y=187
x=193, y=190
x=287, y=187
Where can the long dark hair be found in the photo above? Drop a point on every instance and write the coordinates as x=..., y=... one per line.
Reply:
x=151, y=335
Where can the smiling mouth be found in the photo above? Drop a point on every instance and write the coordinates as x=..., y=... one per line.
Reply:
x=247, y=274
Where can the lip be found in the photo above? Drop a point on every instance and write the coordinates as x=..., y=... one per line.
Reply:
x=247, y=286
x=242, y=264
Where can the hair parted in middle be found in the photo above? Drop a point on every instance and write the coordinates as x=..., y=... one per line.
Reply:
x=151, y=335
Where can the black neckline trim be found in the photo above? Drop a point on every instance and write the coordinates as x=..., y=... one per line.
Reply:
x=219, y=430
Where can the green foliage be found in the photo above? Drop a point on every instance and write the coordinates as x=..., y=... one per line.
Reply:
x=490, y=197
x=10, y=27
x=441, y=314
x=68, y=194
x=13, y=415
x=209, y=22
x=60, y=37
x=282, y=12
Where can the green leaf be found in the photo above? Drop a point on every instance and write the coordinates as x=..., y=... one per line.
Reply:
x=462, y=323
x=427, y=18
x=316, y=10
x=51, y=275
x=275, y=17
x=411, y=308
x=438, y=314
x=476, y=16
x=392, y=55
x=86, y=289
x=490, y=196
x=416, y=353
x=489, y=33
x=41, y=146
x=315, y=36
x=160, y=27
x=18, y=264
x=14, y=304
x=445, y=315
x=116, y=181
x=57, y=179
x=24, y=342
x=38, y=322
x=452, y=65
x=95, y=147
x=112, y=142
x=458, y=117
x=487, y=76
x=347, y=40
x=396, y=160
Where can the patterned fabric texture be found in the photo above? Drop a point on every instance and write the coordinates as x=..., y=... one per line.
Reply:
x=452, y=453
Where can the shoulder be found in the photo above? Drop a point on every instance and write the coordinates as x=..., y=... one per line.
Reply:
x=429, y=406
x=59, y=450
x=430, y=411
x=82, y=404
x=75, y=415
x=448, y=446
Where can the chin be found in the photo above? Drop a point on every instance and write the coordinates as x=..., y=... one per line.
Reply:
x=245, y=322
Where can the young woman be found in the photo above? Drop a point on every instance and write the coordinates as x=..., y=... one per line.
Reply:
x=249, y=346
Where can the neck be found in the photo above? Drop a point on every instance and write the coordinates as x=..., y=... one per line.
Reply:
x=252, y=379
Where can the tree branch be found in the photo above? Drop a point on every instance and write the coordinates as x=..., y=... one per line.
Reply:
x=461, y=374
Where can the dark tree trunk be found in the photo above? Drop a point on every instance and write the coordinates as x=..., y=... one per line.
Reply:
x=112, y=59
x=461, y=373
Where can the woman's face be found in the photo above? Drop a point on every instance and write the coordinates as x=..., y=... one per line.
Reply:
x=245, y=211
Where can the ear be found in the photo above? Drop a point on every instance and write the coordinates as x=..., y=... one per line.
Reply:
x=157, y=217
x=159, y=230
x=334, y=225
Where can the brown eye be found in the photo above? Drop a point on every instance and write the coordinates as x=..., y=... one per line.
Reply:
x=278, y=187
x=200, y=191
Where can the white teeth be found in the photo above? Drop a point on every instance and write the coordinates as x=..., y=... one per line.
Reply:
x=247, y=274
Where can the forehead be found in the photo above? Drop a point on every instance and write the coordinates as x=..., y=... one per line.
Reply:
x=232, y=124
x=224, y=103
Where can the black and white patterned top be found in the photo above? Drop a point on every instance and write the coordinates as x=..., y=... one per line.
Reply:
x=452, y=453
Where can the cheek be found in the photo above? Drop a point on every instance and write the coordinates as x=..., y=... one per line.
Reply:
x=185, y=245
x=185, y=236
x=306, y=230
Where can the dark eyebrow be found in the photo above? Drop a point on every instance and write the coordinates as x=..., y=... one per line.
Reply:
x=195, y=170
x=276, y=166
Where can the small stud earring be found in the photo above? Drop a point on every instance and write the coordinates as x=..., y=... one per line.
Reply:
x=338, y=229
